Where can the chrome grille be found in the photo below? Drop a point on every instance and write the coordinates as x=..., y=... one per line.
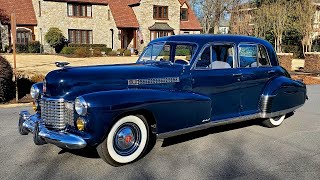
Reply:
x=55, y=114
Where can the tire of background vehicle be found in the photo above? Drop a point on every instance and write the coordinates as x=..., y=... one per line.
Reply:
x=126, y=141
x=274, y=121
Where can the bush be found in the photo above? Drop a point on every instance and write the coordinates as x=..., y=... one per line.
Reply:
x=113, y=53
x=68, y=50
x=55, y=39
x=182, y=52
x=106, y=50
x=34, y=47
x=127, y=53
x=121, y=51
x=82, y=52
x=88, y=45
x=6, y=83
x=37, y=78
x=8, y=49
x=21, y=48
x=97, y=52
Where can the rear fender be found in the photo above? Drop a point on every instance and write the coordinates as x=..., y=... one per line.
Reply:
x=281, y=95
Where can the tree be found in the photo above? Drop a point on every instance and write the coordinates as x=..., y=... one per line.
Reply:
x=273, y=16
x=55, y=39
x=241, y=19
x=212, y=11
x=303, y=19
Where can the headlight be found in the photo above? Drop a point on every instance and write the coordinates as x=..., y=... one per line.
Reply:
x=81, y=106
x=35, y=92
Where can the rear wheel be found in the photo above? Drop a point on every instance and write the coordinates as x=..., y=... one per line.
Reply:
x=126, y=141
x=274, y=121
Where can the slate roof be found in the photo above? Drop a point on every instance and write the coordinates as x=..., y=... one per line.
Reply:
x=161, y=27
x=193, y=22
x=25, y=14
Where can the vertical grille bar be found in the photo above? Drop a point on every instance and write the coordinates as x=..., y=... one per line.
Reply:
x=55, y=114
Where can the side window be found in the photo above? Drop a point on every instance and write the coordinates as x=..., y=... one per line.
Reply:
x=216, y=57
x=263, y=58
x=252, y=55
x=184, y=53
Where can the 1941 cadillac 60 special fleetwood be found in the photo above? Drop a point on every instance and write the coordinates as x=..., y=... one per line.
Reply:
x=178, y=85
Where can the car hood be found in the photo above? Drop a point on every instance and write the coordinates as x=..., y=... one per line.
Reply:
x=70, y=82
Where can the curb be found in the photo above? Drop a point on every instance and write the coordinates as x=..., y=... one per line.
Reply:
x=15, y=105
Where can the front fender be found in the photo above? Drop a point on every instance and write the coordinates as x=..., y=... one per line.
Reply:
x=172, y=110
x=281, y=94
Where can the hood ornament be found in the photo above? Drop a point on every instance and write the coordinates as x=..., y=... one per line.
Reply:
x=61, y=64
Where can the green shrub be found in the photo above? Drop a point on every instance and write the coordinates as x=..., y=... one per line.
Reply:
x=182, y=52
x=127, y=53
x=6, y=83
x=88, y=45
x=121, y=51
x=68, y=50
x=34, y=47
x=82, y=53
x=8, y=49
x=55, y=39
x=21, y=48
x=106, y=50
x=97, y=52
x=113, y=53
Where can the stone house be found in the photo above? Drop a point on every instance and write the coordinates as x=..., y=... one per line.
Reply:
x=116, y=23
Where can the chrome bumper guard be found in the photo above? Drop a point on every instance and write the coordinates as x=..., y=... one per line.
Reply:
x=41, y=135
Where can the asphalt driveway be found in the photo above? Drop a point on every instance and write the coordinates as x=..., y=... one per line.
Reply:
x=242, y=151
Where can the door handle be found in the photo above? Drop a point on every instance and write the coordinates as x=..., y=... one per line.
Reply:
x=237, y=75
x=271, y=72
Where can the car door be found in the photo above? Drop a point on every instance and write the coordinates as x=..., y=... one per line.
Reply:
x=256, y=71
x=214, y=75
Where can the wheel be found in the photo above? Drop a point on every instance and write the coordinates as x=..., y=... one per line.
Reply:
x=21, y=129
x=126, y=141
x=274, y=121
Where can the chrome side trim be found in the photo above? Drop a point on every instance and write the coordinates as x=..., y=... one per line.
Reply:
x=279, y=113
x=224, y=122
x=136, y=82
x=206, y=126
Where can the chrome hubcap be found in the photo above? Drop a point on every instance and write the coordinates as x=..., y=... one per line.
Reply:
x=127, y=139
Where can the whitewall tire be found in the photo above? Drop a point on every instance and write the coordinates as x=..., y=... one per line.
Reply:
x=274, y=121
x=126, y=141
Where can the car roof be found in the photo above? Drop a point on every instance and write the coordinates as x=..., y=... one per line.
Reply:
x=205, y=38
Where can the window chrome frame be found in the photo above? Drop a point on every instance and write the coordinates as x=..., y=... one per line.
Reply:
x=257, y=45
x=210, y=44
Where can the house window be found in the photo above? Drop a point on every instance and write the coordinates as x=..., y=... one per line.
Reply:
x=23, y=37
x=158, y=34
x=77, y=36
x=79, y=10
x=184, y=14
x=160, y=12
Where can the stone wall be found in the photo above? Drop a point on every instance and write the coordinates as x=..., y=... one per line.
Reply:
x=144, y=14
x=285, y=60
x=54, y=14
x=312, y=62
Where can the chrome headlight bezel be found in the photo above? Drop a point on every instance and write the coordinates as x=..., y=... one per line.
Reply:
x=81, y=106
x=35, y=91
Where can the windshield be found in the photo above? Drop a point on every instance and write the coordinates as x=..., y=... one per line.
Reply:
x=168, y=52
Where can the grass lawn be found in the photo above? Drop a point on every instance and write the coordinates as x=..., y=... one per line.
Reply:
x=42, y=64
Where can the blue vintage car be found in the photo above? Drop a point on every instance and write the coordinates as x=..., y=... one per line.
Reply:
x=178, y=85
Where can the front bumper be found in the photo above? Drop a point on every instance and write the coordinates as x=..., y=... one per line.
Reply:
x=41, y=135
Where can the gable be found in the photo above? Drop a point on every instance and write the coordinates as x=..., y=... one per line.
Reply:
x=23, y=9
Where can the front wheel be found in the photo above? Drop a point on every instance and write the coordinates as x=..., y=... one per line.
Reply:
x=274, y=121
x=126, y=141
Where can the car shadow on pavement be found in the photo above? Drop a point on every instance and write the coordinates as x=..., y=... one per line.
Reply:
x=86, y=152
x=213, y=130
